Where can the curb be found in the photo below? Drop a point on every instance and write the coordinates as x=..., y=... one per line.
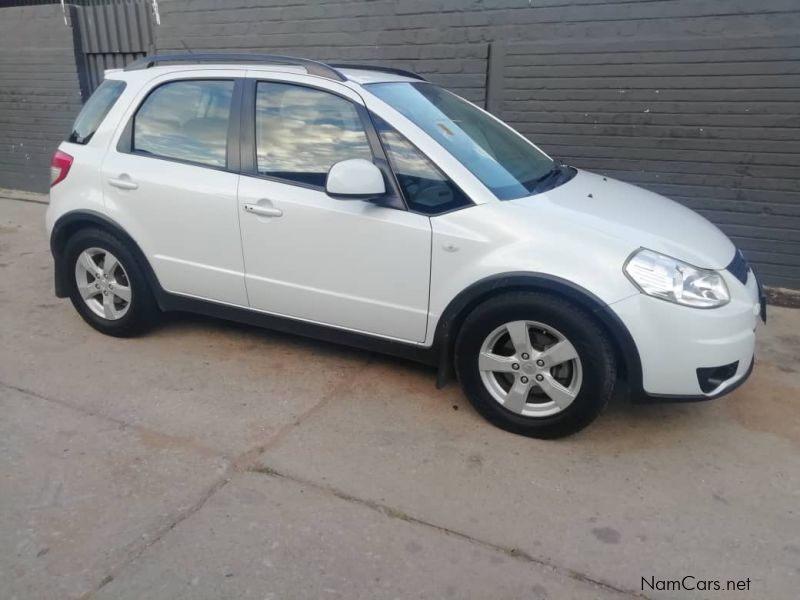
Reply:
x=23, y=196
x=782, y=297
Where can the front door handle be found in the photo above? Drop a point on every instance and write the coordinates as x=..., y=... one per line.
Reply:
x=123, y=182
x=263, y=211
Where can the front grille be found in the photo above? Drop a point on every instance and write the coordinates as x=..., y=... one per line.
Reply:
x=739, y=267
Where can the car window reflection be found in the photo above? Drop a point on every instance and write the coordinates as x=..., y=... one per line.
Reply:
x=425, y=187
x=302, y=132
x=186, y=120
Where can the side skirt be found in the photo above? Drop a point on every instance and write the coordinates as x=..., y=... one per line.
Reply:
x=177, y=303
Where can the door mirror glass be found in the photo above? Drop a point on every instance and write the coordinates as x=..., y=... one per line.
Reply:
x=355, y=179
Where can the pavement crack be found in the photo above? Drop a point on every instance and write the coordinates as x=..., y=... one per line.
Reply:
x=242, y=463
x=151, y=436
x=177, y=520
x=181, y=516
x=395, y=513
x=247, y=460
x=83, y=411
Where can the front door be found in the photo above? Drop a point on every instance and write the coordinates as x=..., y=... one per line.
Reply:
x=347, y=263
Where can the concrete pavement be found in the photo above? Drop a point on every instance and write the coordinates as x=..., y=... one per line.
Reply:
x=205, y=460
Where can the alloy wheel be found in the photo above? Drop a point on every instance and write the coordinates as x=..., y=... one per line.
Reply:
x=103, y=283
x=530, y=368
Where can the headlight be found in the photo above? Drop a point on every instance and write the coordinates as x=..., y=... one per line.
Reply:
x=674, y=280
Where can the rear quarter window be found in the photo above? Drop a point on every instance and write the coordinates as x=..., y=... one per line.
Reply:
x=185, y=120
x=95, y=110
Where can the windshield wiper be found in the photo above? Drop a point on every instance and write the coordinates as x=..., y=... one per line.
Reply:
x=538, y=185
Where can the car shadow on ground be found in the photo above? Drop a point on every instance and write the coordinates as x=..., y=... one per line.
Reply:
x=621, y=420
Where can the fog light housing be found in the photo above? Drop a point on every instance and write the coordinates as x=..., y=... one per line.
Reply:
x=710, y=378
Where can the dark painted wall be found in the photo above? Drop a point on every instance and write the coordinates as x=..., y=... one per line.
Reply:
x=39, y=92
x=695, y=99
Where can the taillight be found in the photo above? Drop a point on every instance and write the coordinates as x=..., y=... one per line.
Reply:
x=59, y=167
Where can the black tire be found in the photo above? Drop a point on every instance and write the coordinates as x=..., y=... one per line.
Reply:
x=589, y=340
x=142, y=313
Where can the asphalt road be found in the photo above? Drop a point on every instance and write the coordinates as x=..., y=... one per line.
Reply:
x=209, y=460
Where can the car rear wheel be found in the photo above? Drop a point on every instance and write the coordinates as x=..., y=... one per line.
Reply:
x=535, y=364
x=108, y=287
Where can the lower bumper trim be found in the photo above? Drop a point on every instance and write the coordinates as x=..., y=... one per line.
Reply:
x=646, y=398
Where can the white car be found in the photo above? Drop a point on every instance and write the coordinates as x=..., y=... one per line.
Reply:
x=365, y=205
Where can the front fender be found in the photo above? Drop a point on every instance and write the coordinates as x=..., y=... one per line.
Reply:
x=457, y=310
x=493, y=248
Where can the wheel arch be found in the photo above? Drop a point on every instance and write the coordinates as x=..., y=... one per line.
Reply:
x=456, y=312
x=69, y=224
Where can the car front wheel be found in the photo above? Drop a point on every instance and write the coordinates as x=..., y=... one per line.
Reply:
x=535, y=364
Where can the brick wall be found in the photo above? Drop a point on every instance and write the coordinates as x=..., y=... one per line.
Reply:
x=39, y=92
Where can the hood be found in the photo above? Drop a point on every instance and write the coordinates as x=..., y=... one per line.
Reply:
x=637, y=216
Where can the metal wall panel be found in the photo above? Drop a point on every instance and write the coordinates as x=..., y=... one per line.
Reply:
x=696, y=99
x=711, y=123
x=39, y=93
x=112, y=34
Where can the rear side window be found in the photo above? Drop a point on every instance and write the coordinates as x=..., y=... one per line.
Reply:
x=425, y=187
x=302, y=132
x=185, y=120
x=95, y=110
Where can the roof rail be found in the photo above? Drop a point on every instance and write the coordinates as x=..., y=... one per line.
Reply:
x=312, y=67
x=392, y=70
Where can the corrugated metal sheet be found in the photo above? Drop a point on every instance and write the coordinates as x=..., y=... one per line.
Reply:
x=98, y=63
x=112, y=33
x=115, y=27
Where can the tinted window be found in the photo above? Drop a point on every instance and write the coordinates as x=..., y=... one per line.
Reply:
x=425, y=187
x=504, y=161
x=95, y=110
x=302, y=132
x=185, y=120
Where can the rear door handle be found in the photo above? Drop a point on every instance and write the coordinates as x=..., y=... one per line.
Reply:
x=123, y=182
x=263, y=211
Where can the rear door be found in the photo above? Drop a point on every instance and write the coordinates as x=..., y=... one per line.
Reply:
x=351, y=264
x=171, y=183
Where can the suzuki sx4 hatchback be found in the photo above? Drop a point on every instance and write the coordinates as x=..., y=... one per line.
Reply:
x=367, y=206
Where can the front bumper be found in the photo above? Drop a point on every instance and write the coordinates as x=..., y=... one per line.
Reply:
x=675, y=341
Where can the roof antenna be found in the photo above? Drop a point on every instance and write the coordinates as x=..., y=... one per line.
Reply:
x=189, y=50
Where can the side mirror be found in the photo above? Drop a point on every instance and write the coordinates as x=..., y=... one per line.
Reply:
x=355, y=179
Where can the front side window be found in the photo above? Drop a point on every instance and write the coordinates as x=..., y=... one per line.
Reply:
x=302, y=132
x=505, y=162
x=95, y=110
x=425, y=188
x=185, y=120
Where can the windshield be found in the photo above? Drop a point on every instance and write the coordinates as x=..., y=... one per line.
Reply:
x=505, y=162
